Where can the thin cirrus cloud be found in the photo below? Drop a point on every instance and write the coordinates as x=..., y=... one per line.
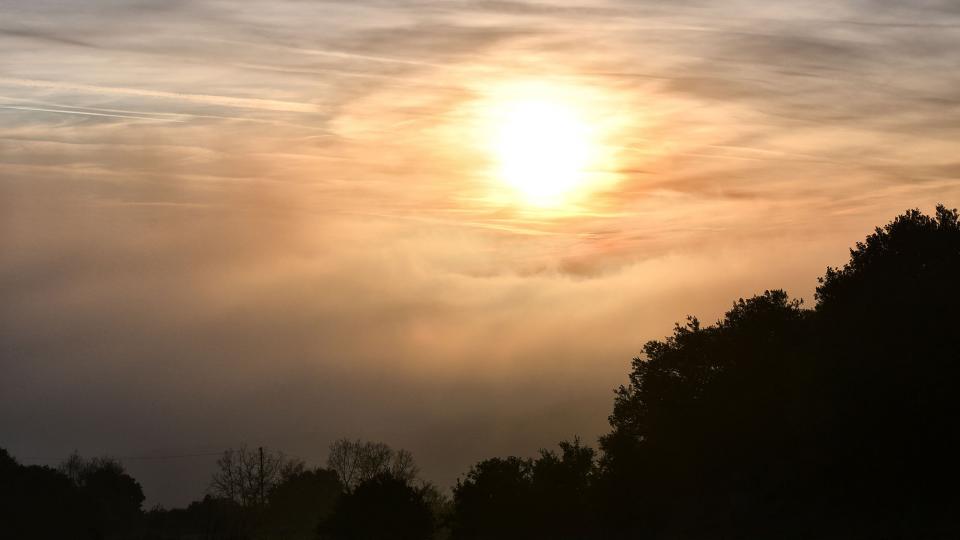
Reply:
x=269, y=222
x=220, y=101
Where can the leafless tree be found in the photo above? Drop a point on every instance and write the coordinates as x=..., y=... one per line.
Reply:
x=356, y=461
x=403, y=466
x=248, y=475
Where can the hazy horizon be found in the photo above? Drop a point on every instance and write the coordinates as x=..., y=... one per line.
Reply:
x=278, y=223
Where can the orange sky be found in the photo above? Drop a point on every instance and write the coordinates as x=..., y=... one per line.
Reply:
x=280, y=222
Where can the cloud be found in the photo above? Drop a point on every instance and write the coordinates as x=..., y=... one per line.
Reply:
x=222, y=101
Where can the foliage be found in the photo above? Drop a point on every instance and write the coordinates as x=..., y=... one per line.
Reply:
x=300, y=502
x=381, y=508
x=42, y=503
x=547, y=497
x=834, y=422
x=83, y=498
x=115, y=498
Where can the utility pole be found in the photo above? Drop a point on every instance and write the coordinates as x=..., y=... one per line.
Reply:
x=261, y=475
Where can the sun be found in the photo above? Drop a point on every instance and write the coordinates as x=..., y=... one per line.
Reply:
x=543, y=147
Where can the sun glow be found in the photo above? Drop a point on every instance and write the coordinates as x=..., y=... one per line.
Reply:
x=542, y=149
x=544, y=146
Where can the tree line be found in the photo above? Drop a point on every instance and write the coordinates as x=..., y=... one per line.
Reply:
x=841, y=420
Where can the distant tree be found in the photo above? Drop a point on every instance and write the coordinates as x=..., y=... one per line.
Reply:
x=356, y=461
x=441, y=507
x=41, y=503
x=208, y=519
x=114, y=497
x=494, y=500
x=544, y=498
x=247, y=476
x=299, y=503
x=381, y=508
x=562, y=492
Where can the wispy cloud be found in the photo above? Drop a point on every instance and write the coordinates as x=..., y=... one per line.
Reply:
x=222, y=101
x=87, y=113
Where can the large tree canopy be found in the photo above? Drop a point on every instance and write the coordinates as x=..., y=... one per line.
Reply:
x=840, y=420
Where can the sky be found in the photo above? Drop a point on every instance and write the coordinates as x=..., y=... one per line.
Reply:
x=283, y=222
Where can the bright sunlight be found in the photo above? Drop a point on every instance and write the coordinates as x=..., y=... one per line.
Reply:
x=542, y=149
x=544, y=143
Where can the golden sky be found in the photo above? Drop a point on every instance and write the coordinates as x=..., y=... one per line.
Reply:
x=282, y=222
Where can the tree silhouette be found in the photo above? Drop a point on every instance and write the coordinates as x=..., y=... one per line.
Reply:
x=888, y=320
x=547, y=497
x=42, y=503
x=562, y=489
x=247, y=476
x=300, y=502
x=381, y=508
x=494, y=500
x=779, y=420
x=112, y=497
x=839, y=421
x=209, y=518
x=356, y=461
